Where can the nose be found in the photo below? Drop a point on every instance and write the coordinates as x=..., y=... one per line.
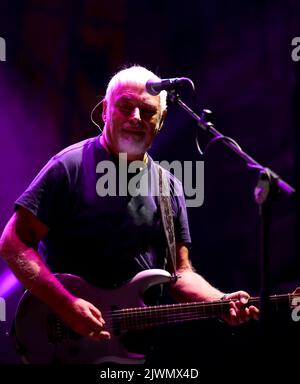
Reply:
x=135, y=114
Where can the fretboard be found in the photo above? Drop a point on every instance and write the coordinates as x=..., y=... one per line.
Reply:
x=146, y=317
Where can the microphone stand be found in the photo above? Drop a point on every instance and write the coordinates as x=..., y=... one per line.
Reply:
x=269, y=187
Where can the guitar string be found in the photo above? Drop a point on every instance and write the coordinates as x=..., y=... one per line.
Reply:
x=144, y=312
x=146, y=317
x=184, y=306
x=133, y=323
x=131, y=319
x=152, y=324
x=127, y=321
x=163, y=316
x=167, y=313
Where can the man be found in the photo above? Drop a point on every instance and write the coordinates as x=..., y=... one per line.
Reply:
x=64, y=220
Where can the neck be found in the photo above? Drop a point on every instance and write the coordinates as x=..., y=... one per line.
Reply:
x=143, y=157
x=104, y=144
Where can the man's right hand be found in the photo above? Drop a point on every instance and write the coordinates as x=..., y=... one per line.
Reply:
x=18, y=246
x=85, y=319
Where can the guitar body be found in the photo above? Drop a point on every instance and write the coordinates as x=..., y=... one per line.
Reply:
x=42, y=338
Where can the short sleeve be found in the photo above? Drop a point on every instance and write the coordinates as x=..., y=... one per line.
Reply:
x=46, y=196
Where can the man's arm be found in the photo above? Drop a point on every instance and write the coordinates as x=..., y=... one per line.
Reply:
x=190, y=286
x=18, y=247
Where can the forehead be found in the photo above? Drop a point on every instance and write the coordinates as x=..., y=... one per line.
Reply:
x=134, y=92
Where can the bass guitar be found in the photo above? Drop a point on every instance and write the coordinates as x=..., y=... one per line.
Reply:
x=41, y=337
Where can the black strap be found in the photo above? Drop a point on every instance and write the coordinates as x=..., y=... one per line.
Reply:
x=167, y=218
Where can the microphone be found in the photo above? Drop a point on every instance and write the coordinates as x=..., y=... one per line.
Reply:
x=155, y=87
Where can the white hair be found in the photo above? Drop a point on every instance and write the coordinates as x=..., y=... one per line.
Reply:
x=137, y=75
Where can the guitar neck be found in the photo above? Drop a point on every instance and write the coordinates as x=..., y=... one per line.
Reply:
x=146, y=317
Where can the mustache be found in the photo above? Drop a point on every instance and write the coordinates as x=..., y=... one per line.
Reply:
x=134, y=126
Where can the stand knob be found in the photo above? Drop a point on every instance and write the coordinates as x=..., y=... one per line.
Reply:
x=207, y=115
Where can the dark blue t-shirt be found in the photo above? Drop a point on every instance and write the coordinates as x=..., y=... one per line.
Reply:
x=104, y=239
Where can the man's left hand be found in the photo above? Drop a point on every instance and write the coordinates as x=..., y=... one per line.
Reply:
x=239, y=312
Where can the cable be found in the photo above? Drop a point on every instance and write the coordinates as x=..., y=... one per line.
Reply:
x=91, y=115
x=222, y=138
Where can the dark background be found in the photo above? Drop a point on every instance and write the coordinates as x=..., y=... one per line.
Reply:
x=59, y=59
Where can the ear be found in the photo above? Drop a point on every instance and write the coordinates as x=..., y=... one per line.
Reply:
x=104, y=110
x=162, y=119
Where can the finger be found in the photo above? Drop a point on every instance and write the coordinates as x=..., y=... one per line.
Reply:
x=233, y=317
x=102, y=335
x=254, y=312
x=235, y=305
x=95, y=324
x=95, y=311
x=243, y=313
x=242, y=310
x=243, y=297
x=230, y=319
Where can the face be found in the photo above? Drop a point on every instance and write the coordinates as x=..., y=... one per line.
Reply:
x=132, y=119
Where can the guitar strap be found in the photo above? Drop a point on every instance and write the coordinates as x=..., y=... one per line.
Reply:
x=167, y=220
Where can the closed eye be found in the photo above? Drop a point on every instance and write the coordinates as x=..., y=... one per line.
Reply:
x=148, y=112
x=125, y=109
